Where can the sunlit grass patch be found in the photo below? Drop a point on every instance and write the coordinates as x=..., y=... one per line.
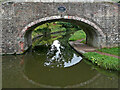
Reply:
x=113, y=50
x=78, y=35
x=103, y=61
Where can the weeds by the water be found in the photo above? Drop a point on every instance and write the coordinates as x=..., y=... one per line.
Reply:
x=101, y=70
x=103, y=61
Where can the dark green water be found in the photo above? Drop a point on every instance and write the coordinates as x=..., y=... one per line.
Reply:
x=54, y=66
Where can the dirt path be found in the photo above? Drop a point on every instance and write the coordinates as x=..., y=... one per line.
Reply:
x=84, y=47
x=102, y=53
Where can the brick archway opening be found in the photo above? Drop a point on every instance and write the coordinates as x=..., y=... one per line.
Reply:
x=94, y=35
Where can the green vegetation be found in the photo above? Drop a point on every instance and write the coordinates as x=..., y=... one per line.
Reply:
x=83, y=41
x=103, y=61
x=78, y=35
x=46, y=40
x=101, y=70
x=118, y=1
x=113, y=50
x=51, y=31
x=58, y=26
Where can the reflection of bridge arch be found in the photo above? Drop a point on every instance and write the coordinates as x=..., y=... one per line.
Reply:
x=31, y=69
x=95, y=36
x=71, y=86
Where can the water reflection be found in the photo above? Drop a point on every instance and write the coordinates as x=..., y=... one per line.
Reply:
x=74, y=60
x=45, y=66
x=56, y=58
x=33, y=75
x=55, y=49
x=55, y=64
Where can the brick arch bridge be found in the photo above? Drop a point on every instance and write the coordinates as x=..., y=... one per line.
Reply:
x=98, y=20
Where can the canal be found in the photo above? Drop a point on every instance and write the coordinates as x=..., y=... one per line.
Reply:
x=54, y=65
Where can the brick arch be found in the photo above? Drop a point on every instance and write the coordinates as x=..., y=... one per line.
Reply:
x=21, y=36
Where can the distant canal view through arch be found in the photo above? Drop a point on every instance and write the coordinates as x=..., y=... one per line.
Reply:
x=50, y=62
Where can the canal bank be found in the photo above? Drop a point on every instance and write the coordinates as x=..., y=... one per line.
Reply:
x=81, y=47
x=101, y=59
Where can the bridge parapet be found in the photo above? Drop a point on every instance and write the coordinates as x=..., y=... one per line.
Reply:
x=90, y=1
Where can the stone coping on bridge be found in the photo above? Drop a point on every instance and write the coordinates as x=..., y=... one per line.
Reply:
x=59, y=0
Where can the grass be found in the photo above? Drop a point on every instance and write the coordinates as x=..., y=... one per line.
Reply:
x=78, y=35
x=113, y=50
x=103, y=61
